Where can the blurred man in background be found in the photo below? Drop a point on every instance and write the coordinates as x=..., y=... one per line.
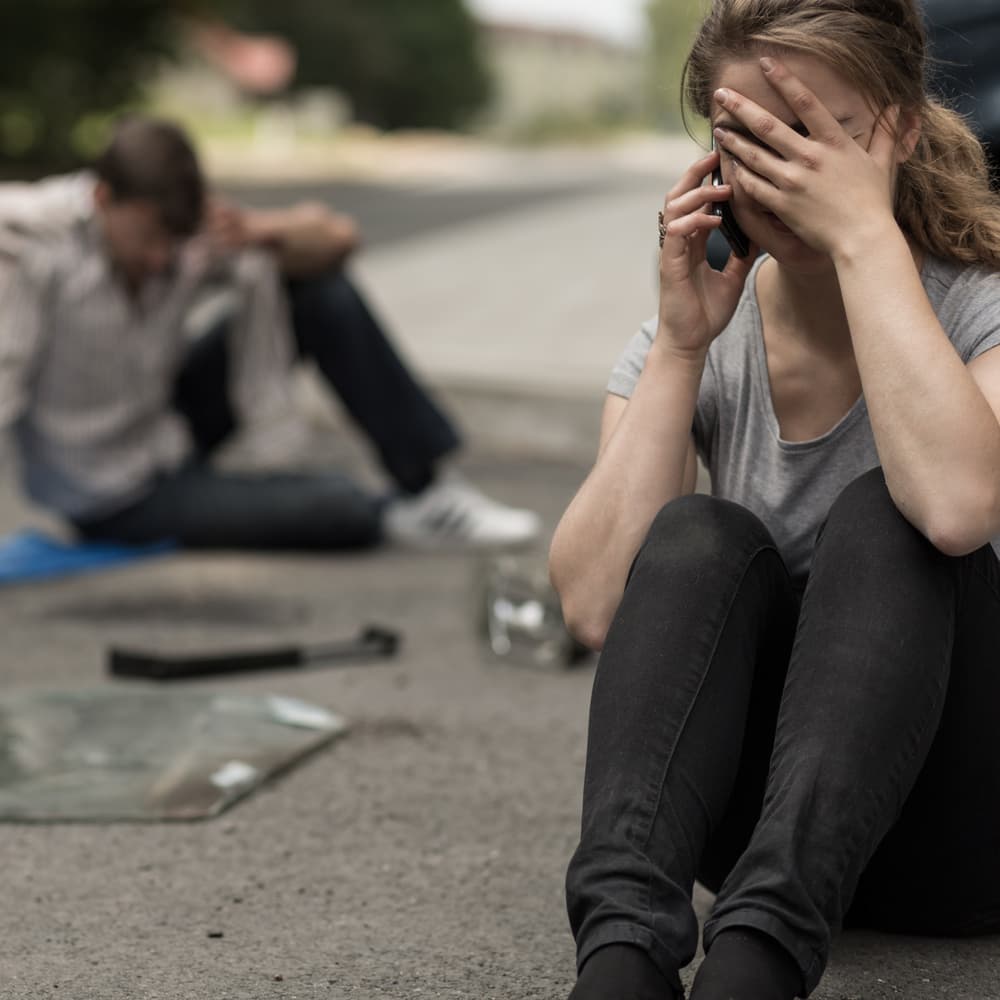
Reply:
x=116, y=412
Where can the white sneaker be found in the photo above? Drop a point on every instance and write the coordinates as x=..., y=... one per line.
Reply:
x=451, y=513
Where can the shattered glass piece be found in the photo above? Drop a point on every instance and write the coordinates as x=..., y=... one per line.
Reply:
x=521, y=618
x=132, y=754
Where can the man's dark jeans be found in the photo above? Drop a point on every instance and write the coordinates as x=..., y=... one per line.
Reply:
x=812, y=761
x=201, y=507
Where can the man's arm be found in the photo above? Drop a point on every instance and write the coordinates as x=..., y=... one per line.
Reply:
x=20, y=341
x=306, y=238
x=262, y=351
x=20, y=337
x=31, y=212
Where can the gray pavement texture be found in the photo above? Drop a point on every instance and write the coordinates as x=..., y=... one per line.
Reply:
x=421, y=856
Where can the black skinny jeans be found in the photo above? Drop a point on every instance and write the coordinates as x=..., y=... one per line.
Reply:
x=813, y=763
x=199, y=506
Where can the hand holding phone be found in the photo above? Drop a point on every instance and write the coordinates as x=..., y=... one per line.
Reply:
x=696, y=301
x=735, y=237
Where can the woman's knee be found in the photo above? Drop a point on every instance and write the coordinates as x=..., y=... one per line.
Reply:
x=867, y=498
x=866, y=540
x=865, y=518
x=699, y=530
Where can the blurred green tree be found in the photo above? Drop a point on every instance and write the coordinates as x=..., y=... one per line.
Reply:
x=64, y=61
x=672, y=27
x=401, y=63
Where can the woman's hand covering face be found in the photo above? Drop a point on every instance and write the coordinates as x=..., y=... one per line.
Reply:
x=829, y=185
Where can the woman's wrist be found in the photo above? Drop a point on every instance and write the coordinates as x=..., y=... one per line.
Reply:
x=666, y=350
x=873, y=240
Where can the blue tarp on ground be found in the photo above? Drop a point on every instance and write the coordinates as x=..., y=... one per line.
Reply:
x=32, y=555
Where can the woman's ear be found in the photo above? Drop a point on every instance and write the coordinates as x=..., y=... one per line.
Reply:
x=910, y=128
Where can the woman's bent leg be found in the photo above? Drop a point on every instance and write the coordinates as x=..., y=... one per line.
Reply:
x=938, y=869
x=704, y=626
x=863, y=701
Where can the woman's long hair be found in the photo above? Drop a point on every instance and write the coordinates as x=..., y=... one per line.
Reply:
x=943, y=196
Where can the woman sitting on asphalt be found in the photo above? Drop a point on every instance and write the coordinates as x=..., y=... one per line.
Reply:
x=797, y=693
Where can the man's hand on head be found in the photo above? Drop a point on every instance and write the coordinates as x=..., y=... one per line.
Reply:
x=226, y=226
x=307, y=237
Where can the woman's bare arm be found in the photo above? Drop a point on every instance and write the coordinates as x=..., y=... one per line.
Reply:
x=646, y=459
x=936, y=421
x=647, y=454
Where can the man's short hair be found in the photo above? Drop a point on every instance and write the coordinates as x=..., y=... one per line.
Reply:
x=152, y=160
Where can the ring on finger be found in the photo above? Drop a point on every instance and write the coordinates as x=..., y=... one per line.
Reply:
x=661, y=228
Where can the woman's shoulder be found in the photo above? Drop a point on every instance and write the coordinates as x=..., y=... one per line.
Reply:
x=966, y=300
x=944, y=279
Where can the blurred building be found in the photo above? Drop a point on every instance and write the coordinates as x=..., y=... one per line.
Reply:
x=550, y=73
x=542, y=77
x=227, y=75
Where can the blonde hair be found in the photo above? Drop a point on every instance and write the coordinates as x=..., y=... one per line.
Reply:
x=943, y=196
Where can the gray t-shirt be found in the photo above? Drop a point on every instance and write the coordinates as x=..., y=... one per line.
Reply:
x=791, y=485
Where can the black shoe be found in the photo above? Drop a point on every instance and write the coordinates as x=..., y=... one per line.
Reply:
x=746, y=964
x=622, y=972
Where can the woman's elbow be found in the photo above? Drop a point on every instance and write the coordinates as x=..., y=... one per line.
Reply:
x=959, y=533
x=584, y=619
x=585, y=608
x=956, y=539
x=590, y=634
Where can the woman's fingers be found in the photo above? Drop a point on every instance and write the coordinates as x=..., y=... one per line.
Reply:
x=751, y=155
x=788, y=141
x=676, y=208
x=821, y=124
x=693, y=222
x=694, y=175
x=757, y=187
x=686, y=210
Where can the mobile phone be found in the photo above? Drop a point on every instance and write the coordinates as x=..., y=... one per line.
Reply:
x=735, y=237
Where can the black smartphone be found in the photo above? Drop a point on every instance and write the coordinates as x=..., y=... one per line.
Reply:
x=735, y=237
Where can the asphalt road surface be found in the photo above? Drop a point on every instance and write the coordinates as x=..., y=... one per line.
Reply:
x=421, y=856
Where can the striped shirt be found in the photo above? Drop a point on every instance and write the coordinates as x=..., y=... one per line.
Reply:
x=87, y=369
